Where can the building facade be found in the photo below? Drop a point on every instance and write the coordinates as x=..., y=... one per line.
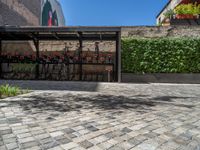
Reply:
x=31, y=13
x=179, y=12
x=51, y=13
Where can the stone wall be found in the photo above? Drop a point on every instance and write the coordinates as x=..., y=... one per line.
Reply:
x=157, y=31
x=22, y=46
x=104, y=46
x=137, y=32
x=20, y=12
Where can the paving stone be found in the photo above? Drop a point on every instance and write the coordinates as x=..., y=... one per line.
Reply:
x=134, y=141
x=112, y=141
x=25, y=140
x=110, y=135
x=29, y=144
x=11, y=140
x=171, y=145
x=92, y=128
x=21, y=131
x=46, y=140
x=167, y=117
x=101, y=138
x=94, y=148
x=35, y=148
x=1, y=143
x=33, y=125
x=3, y=132
x=151, y=135
x=3, y=147
x=105, y=145
x=149, y=145
x=81, y=132
x=71, y=136
x=126, y=145
x=78, y=148
x=69, y=145
x=12, y=146
x=38, y=132
x=94, y=141
x=8, y=136
x=126, y=137
x=14, y=120
x=63, y=140
x=58, y=133
x=116, y=148
x=24, y=135
x=86, y=144
x=56, y=148
x=126, y=130
x=50, y=145
x=3, y=121
x=69, y=130
x=42, y=136
x=193, y=145
x=77, y=128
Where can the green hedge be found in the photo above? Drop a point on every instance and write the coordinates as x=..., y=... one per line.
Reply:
x=161, y=55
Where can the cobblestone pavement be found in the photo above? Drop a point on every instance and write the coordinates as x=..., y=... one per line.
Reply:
x=113, y=117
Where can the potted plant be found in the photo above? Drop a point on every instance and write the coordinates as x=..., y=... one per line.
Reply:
x=187, y=11
x=196, y=10
x=169, y=14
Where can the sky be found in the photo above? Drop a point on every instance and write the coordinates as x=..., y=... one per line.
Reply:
x=111, y=12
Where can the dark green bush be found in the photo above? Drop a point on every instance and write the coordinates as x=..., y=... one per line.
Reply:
x=161, y=55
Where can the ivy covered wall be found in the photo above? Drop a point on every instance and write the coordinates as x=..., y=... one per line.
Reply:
x=161, y=55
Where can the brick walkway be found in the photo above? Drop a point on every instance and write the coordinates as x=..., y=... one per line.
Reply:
x=109, y=116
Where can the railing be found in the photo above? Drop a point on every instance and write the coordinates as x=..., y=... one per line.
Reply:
x=65, y=67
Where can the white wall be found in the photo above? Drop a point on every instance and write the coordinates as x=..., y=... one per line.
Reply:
x=172, y=5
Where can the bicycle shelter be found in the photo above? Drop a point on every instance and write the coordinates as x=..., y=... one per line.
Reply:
x=66, y=64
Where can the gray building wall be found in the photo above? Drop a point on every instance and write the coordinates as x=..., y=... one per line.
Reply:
x=26, y=12
x=20, y=12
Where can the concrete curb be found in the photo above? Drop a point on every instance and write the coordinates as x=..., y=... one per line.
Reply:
x=161, y=78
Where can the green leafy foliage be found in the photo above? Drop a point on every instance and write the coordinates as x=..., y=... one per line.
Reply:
x=169, y=13
x=8, y=90
x=161, y=55
x=193, y=9
x=23, y=68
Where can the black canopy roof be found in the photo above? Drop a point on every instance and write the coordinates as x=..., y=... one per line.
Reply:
x=22, y=33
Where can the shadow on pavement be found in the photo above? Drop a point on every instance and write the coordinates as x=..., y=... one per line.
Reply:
x=77, y=102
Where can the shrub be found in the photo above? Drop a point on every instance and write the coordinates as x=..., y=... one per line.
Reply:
x=163, y=55
x=7, y=90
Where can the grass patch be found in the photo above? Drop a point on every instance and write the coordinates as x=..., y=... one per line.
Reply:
x=9, y=91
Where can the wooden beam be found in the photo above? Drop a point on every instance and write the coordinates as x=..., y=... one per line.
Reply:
x=59, y=29
x=55, y=35
x=118, y=57
x=32, y=36
x=0, y=60
x=80, y=55
x=36, y=43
